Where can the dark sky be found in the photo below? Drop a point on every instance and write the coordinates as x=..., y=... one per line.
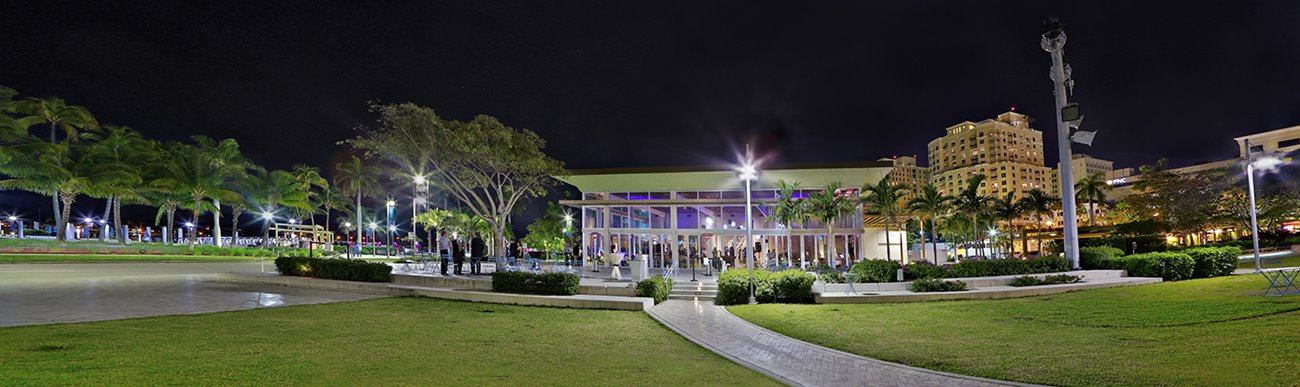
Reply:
x=624, y=83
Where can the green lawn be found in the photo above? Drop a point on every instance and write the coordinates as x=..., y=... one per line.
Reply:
x=411, y=341
x=116, y=258
x=1217, y=331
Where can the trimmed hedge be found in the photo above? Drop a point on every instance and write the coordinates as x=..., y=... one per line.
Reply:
x=918, y=270
x=785, y=286
x=1046, y=280
x=1093, y=258
x=654, y=287
x=334, y=268
x=1167, y=265
x=997, y=267
x=875, y=270
x=1213, y=261
x=937, y=285
x=550, y=284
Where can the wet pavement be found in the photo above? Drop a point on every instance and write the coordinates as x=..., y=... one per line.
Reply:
x=67, y=292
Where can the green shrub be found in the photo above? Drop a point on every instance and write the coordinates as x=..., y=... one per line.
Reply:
x=1146, y=243
x=786, y=286
x=1046, y=280
x=654, y=287
x=875, y=270
x=554, y=284
x=793, y=286
x=1026, y=280
x=1094, y=257
x=334, y=268
x=1213, y=261
x=937, y=285
x=998, y=267
x=917, y=270
x=1170, y=266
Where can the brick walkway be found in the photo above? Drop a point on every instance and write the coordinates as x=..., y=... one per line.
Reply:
x=792, y=361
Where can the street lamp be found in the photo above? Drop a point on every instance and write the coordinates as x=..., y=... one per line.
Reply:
x=748, y=172
x=420, y=186
x=1267, y=163
x=1053, y=41
x=390, y=204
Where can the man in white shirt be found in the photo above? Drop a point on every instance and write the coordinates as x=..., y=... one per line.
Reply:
x=444, y=250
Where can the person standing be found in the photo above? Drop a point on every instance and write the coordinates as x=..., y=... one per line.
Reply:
x=476, y=249
x=457, y=255
x=514, y=251
x=444, y=251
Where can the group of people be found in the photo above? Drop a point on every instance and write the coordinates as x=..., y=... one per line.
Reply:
x=452, y=250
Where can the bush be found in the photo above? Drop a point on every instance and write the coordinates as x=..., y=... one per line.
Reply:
x=786, y=286
x=1213, y=261
x=937, y=285
x=997, y=267
x=551, y=284
x=334, y=268
x=918, y=270
x=793, y=286
x=1167, y=265
x=1144, y=243
x=828, y=275
x=654, y=287
x=1046, y=280
x=875, y=270
x=1093, y=258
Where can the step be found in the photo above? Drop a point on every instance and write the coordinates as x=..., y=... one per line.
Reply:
x=691, y=297
x=702, y=293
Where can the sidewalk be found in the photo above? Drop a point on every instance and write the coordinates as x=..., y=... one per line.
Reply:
x=792, y=361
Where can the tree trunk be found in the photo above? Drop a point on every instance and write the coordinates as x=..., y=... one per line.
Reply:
x=103, y=229
x=358, y=241
x=935, y=239
x=216, y=222
x=922, y=240
x=54, y=198
x=889, y=255
x=830, y=245
x=1090, y=208
x=62, y=224
x=1040, y=235
x=235, y=211
x=117, y=221
x=198, y=202
x=171, y=223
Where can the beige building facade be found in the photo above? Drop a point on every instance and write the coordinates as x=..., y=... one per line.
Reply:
x=1004, y=149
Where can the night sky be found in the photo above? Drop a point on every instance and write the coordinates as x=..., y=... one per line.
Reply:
x=653, y=83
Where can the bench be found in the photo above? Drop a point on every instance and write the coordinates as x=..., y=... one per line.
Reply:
x=1281, y=282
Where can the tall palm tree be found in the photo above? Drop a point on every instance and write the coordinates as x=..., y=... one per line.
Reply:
x=788, y=211
x=827, y=206
x=930, y=204
x=1008, y=209
x=359, y=180
x=971, y=203
x=203, y=172
x=309, y=180
x=332, y=199
x=58, y=115
x=123, y=146
x=1092, y=189
x=66, y=169
x=883, y=198
x=274, y=189
x=1039, y=204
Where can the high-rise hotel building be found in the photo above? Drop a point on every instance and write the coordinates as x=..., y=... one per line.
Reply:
x=1005, y=149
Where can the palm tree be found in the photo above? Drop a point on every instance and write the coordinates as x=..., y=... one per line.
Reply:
x=883, y=198
x=65, y=169
x=1092, y=189
x=203, y=172
x=789, y=211
x=359, y=179
x=1039, y=204
x=930, y=204
x=308, y=179
x=971, y=203
x=826, y=206
x=274, y=189
x=58, y=115
x=1009, y=209
x=123, y=146
x=332, y=199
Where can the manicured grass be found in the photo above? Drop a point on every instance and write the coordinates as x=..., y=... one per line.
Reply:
x=1216, y=331
x=407, y=341
x=1292, y=260
x=116, y=258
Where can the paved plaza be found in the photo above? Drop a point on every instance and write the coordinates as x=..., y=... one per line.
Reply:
x=793, y=361
x=65, y=292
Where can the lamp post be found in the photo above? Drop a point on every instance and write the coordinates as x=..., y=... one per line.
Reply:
x=1053, y=41
x=348, y=226
x=420, y=186
x=390, y=204
x=1267, y=162
x=748, y=172
x=190, y=225
x=373, y=226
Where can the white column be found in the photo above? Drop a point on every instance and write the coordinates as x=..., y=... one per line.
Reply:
x=672, y=217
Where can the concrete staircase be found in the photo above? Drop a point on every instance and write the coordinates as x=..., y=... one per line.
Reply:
x=694, y=291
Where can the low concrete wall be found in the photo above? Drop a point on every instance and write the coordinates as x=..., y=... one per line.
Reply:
x=981, y=294
x=974, y=282
x=581, y=301
x=623, y=289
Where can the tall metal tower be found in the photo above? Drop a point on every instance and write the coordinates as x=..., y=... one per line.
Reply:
x=1066, y=115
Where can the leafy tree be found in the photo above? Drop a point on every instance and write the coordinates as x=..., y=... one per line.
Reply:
x=1092, y=189
x=826, y=207
x=1038, y=204
x=883, y=198
x=548, y=230
x=58, y=115
x=789, y=211
x=1183, y=202
x=482, y=163
x=974, y=205
x=931, y=205
x=1008, y=209
x=358, y=179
